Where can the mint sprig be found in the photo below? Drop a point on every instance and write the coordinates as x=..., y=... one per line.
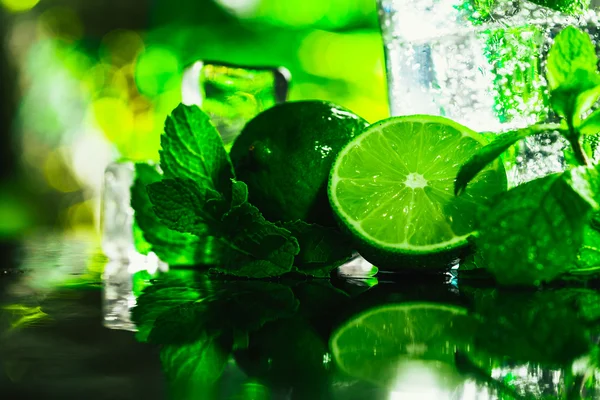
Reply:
x=534, y=232
x=574, y=84
x=495, y=149
x=322, y=248
x=193, y=149
x=172, y=247
x=203, y=207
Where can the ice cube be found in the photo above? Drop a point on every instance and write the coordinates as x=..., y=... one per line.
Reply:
x=117, y=214
x=232, y=94
x=118, y=242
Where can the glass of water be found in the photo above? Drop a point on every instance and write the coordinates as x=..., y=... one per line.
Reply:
x=482, y=63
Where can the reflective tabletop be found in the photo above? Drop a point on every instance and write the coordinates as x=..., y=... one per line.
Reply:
x=73, y=326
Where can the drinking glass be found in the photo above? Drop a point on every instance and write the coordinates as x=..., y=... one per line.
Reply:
x=482, y=63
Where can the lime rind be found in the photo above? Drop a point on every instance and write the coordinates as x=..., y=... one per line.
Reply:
x=398, y=176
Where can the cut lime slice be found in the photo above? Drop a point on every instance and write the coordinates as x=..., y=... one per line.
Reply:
x=392, y=187
x=387, y=345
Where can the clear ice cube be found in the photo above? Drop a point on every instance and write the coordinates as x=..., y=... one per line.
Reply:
x=231, y=94
x=117, y=214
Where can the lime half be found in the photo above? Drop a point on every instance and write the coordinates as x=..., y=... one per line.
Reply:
x=393, y=188
x=386, y=345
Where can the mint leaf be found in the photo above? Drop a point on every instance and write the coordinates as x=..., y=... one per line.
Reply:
x=186, y=206
x=572, y=50
x=572, y=99
x=492, y=151
x=570, y=7
x=172, y=247
x=534, y=231
x=192, y=148
x=255, y=247
x=591, y=125
x=239, y=193
x=321, y=249
x=261, y=248
x=483, y=7
x=588, y=258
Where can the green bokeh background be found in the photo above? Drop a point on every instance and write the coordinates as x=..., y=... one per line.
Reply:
x=89, y=82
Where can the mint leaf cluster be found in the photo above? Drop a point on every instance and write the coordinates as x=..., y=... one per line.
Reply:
x=485, y=8
x=540, y=230
x=196, y=212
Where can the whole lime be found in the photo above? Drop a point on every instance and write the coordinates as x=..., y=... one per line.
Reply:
x=285, y=155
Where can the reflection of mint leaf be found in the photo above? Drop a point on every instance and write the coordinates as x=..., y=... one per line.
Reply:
x=545, y=327
x=318, y=297
x=523, y=236
x=572, y=50
x=321, y=249
x=169, y=291
x=194, y=368
x=228, y=309
x=193, y=149
x=170, y=246
x=271, y=357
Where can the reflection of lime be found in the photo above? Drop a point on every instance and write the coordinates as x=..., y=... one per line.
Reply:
x=406, y=342
x=392, y=187
x=285, y=154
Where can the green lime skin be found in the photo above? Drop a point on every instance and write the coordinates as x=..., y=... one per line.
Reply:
x=285, y=155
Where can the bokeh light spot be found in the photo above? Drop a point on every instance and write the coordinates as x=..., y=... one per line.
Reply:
x=61, y=22
x=241, y=8
x=121, y=47
x=19, y=5
x=80, y=216
x=114, y=118
x=58, y=173
x=15, y=214
x=156, y=67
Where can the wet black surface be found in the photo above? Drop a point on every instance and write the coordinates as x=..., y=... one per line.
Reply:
x=53, y=344
x=203, y=337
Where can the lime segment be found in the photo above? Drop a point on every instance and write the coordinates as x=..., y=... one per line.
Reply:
x=392, y=186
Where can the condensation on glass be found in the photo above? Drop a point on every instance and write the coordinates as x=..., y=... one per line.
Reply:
x=481, y=63
x=233, y=94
